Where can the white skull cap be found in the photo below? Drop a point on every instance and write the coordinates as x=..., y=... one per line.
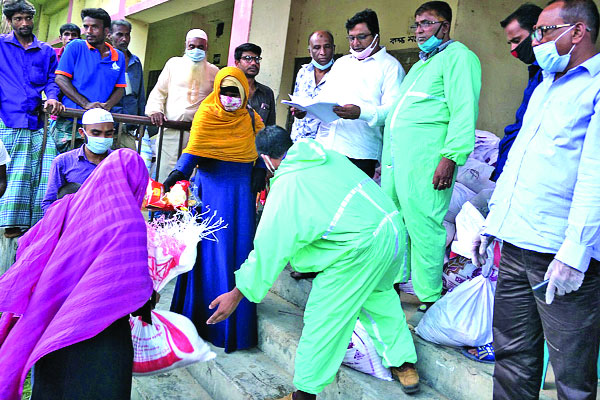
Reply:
x=96, y=116
x=196, y=33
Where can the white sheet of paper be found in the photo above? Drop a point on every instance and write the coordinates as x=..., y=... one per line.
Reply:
x=320, y=110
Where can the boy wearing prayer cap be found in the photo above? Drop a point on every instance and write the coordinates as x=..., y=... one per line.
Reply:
x=182, y=85
x=76, y=165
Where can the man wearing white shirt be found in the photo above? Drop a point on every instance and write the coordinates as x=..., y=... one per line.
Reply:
x=366, y=82
x=546, y=210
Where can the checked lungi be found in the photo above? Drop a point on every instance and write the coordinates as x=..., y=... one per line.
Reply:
x=21, y=204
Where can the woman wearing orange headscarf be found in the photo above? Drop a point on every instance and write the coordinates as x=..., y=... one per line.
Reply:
x=222, y=147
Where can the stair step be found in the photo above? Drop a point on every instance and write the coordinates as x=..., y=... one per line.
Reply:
x=242, y=375
x=292, y=290
x=279, y=329
x=177, y=384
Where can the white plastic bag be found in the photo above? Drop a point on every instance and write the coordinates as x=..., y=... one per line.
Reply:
x=362, y=356
x=475, y=175
x=460, y=195
x=486, y=147
x=170, y=342
x=463, y=317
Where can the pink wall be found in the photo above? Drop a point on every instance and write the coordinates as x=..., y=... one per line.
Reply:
x=240, y=27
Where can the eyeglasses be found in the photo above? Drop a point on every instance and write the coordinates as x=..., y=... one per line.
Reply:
x=249, y=59
x=424, y=24
x=360, y=38
x=539, y=31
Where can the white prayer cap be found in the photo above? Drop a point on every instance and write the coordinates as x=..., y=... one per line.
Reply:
x=196, y=33
x=96, y=116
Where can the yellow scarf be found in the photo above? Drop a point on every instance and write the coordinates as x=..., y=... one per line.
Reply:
x=220, y=134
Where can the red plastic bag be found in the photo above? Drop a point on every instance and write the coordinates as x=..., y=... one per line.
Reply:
x=170, y=342
x=177, y=198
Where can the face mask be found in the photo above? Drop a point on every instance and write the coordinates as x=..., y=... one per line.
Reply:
x=98, y=145
x=230, y=103
x=322, y=67
x=361, y=55
x=524, y=51
x=432, y=43
x=548, y=58
x=268, y=164
x=196, y=55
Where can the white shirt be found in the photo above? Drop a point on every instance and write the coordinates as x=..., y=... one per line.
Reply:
x=4, y=157
x=373, y=84
x=547, y=198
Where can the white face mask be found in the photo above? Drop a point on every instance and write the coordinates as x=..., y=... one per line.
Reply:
x=361, y=55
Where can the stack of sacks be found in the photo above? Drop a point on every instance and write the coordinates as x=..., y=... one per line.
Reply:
x=472, y=179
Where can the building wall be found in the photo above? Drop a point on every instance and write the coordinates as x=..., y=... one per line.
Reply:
x=167, y=38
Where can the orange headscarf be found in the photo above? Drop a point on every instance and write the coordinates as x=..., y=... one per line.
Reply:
x=220, y=134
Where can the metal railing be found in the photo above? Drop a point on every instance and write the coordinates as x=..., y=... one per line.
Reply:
x=123, y=120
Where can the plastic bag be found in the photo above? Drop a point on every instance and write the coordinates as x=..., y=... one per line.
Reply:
x=486, y=147
x=458, y=270
x=170, y=342
x=475, y=175
x=463, y=317
x=172, y=244
x=460, y=195
x=362, y=356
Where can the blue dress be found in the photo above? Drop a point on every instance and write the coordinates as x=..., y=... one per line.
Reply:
x=224, y=187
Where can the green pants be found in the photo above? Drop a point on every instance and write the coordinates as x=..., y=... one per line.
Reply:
x=360, y=285
x=423, y=210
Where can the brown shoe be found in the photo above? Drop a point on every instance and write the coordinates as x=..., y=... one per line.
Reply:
x=408, y=377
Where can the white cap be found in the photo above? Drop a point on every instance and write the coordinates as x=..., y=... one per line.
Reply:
x=196, y=33
x=96, y=116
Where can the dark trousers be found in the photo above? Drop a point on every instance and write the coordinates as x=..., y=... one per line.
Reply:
x=570, y=325
x=366, y=166
x=99, y=368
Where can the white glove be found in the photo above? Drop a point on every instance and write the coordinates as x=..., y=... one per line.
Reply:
x=563, y=279
x=479, y=249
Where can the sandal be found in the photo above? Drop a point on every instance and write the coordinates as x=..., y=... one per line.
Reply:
x=425, y=306
x=485, y=354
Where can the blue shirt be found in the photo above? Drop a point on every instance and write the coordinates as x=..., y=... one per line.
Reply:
x=512, y=130
x=306, y=86
x=134, y=100
x=548, y=197
x=70, y=167
x=24, y=75
x=94, y=77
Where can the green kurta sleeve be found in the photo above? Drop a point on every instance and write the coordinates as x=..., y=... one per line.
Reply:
x=462, y=84
x=285, y=227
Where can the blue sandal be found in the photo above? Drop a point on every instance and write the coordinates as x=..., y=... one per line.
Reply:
x=485, y=354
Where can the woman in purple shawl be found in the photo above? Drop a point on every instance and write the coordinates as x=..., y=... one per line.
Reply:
x=79, y=273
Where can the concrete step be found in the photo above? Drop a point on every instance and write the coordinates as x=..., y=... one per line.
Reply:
x=242, y=375
x=443, y=368
x=177, y=384
x=279, y=329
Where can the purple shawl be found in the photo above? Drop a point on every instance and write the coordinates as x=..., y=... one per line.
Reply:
x=78, y=270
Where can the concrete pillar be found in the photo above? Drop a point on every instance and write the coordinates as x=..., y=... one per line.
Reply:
x=240, y=27
x=272, y=38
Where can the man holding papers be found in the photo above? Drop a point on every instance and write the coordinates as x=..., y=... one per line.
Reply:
x=310, y=81
x=366, y=83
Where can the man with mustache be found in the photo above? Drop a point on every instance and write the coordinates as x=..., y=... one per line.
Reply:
x=91, y=74
x=247, y=58
x=26, y=70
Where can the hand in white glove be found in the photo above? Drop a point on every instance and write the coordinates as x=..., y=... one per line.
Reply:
x=563, y=279
x=479, y=249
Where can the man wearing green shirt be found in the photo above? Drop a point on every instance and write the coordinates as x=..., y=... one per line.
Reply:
x=325, y=215
x=427, y=134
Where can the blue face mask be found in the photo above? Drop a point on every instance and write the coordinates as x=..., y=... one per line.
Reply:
x=322, y=67
x=548, y=58
x=196, y=55
x=98, y=145
x=432, y=43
